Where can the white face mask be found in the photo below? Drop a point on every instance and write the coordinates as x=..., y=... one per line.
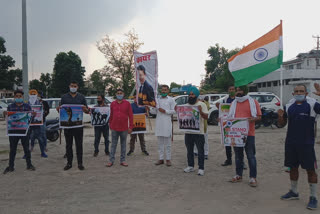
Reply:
x=241, y=99
x=33, y=99
x=73, y=90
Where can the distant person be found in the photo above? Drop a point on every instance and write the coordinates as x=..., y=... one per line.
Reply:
x=300, y=113
x=133, y=137
x=19, y=106
x=46, y=111
x=146, y=92
x=104, y=130
x=121, y=124
x=74, y=98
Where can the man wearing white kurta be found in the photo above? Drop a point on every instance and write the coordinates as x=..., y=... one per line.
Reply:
x=165, y=108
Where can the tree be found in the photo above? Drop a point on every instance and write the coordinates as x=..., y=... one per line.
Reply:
x=38, y=85
x=174, y=85
x=119, y=71
x=8, y=77
x=67, y=67
x=218, y=75
x=47, y=81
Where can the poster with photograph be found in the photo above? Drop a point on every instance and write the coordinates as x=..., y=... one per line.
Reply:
x=37, y=120
x=234, y=131
x=139, y=123
x=99, y=115
x=146, y=66
x=18, y=123
x=224, y=109
x=71, y=116
x=188, y=118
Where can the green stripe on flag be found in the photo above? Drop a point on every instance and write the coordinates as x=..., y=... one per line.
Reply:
x=250, y=74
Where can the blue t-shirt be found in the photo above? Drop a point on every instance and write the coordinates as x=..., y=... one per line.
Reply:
x=301, y=122
x=229, y=100
x=137, y=110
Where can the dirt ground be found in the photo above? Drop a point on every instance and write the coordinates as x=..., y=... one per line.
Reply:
x=145, y=188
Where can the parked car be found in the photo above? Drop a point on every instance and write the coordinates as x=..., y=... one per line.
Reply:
x=7, y=100
x=213, y=98
x=266, y=99
x=3, y=108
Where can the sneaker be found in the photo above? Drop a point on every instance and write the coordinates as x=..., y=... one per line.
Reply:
x=236, y=179
x=31, y=168
x=81, y=167
x=129, y=153
x=44, y=155
x=253, y=182
x=8, y=169
x=227, y=163
x=201, y=172
x=95, y=154
x=110, y=164
x=206, y=157
x=313, y=203
x=290, y=196
x=168, y=163
x=67, y=167
x=188, y=169
x=159, y=162
x=145, y=152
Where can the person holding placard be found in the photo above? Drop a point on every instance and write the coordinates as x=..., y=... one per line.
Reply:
x=246, y=107
x=73, y=97
x=19, y=106
x=196, y=138
x=104, y=130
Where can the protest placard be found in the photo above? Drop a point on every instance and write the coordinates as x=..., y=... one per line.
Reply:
x=234, y=131
x=146, y=66
x=139, y=123
x=71, y=116
x=37, y=120
x=188, y=118
x=99, y=115
x=224, y=109
x=18, y=123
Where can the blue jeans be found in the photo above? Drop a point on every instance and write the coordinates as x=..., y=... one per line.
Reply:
x=114, y=142
x=36, y=132
x=97, y=136
x=251, y=156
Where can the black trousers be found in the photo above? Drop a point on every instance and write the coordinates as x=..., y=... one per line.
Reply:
x=14, y=140
x=77, y=134
x=190, y=140
x=228, y=153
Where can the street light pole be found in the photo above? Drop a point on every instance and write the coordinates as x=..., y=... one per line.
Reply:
x=25, y=81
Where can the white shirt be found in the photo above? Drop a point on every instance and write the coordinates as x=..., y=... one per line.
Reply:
x=163, y=120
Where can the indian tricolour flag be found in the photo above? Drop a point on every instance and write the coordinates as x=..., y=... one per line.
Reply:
x=258, y=59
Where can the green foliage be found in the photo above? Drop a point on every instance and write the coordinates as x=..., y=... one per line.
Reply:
x=119, y=71
x=218, y=76
x=67, y=68
x=38, y=85
x=174, y=85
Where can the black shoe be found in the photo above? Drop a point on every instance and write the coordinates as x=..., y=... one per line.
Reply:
x=31, y=168
x=145, y=152
x=8, y=169
x=206, y=157
x=227, y=163
x=107, y=153
x=65, y=156
x=195, y=154
x=81, y=167
x=67, y=167
x=129, y=153
x=95, y=154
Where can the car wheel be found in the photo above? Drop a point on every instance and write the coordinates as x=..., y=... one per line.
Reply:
x=54, y=136
x=214, y=118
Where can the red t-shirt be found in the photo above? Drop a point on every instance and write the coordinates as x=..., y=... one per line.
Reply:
x=120, y=113
x=243, y=111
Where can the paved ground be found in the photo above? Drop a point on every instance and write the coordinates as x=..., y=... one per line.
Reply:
x=146, y=188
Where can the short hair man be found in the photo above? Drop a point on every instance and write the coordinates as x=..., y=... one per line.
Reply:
x=299, y=145
x=146, y=93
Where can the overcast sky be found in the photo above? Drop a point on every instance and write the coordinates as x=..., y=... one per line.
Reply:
x=181, y=31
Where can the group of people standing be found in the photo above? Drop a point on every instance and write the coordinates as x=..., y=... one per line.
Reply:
x=300, y=113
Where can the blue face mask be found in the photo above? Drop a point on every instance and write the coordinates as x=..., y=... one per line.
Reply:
x=119, y=97
x=300, y=97
x=18, y=100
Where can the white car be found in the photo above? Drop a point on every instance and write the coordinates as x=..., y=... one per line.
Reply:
x=213, y=98
x=3, y=108
x=265, y=99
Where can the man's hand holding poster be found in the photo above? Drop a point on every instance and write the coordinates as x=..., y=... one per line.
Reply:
x=146, y=65
x=99, y=115
x=139, y=123
x=71, y=116
x=18, y=123
x=37, y=120
x=188, y=118
x=234, y=131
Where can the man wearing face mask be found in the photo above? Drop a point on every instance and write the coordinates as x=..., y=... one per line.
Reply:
x=164, y=109
x=300, y=113
x=192, y=138
x=121, y=124
x=37, y=132
x=73, y=97
x=228, y=99
x=98, y=130
x=19, y=105
x=245, y=107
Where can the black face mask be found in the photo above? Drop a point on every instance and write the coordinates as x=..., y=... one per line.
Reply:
x=99, y=102
x=192, y=100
